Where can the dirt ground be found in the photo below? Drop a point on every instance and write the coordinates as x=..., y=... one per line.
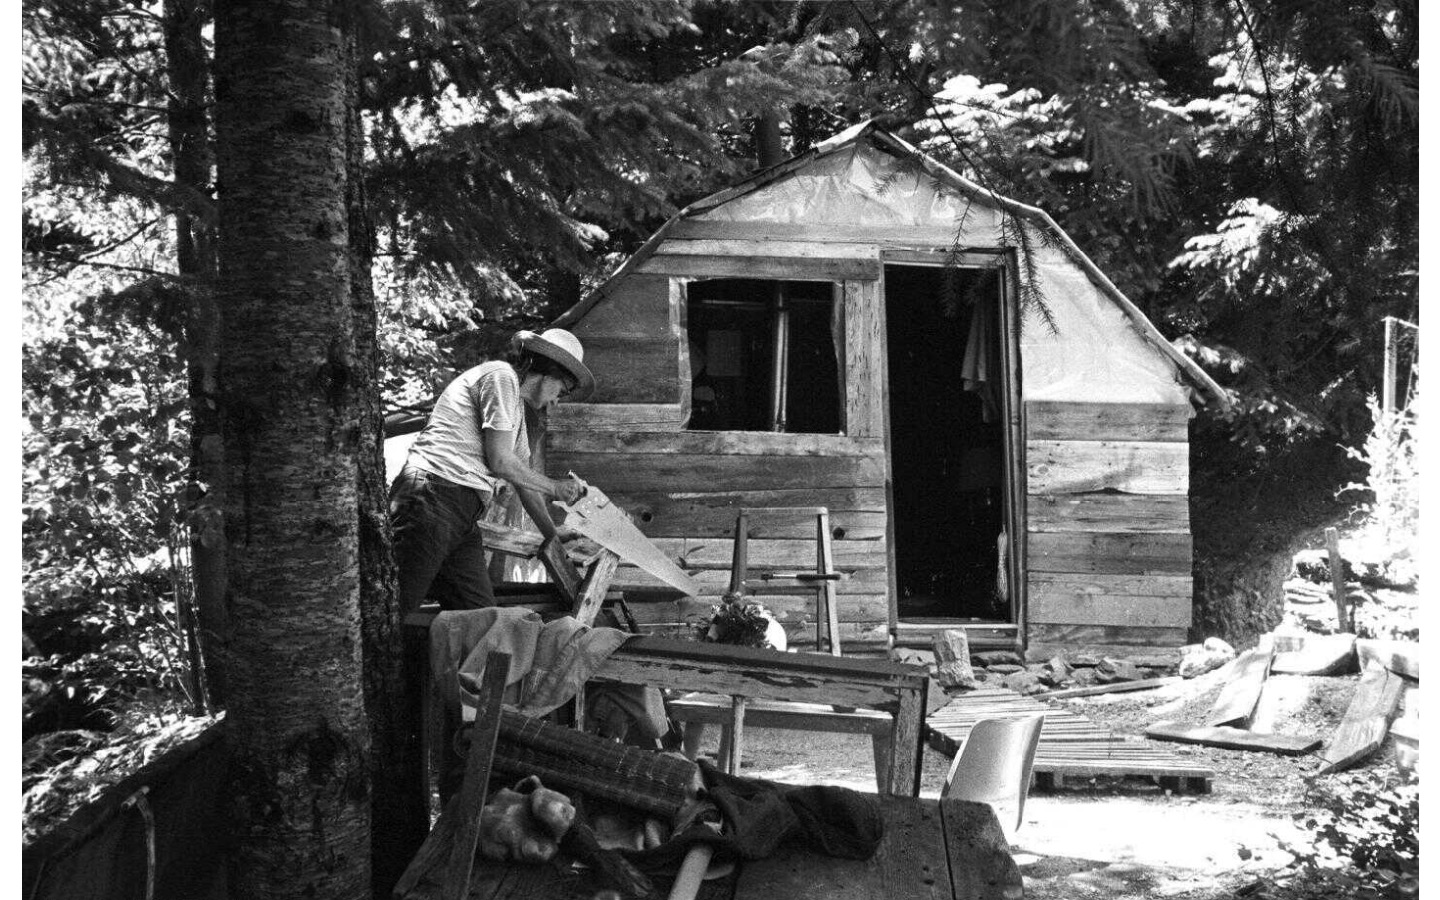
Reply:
x=1125, y=839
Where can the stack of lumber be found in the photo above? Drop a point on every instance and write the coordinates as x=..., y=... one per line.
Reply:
x=1233, y=722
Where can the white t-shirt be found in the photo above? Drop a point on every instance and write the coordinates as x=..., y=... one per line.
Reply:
x=451, y=444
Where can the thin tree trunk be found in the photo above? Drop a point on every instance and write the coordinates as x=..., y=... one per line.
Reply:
x=300, y=804
x=187, y=65
x=398, y=810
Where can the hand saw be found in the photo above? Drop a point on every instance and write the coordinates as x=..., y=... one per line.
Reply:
x=600, y=520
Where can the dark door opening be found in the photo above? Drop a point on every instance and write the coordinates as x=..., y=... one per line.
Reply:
x=947, y=442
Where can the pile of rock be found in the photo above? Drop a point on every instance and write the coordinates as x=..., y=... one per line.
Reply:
x=958, y=670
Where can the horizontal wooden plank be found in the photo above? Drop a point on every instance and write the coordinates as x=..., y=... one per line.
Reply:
x=714, y=581
x=1106, y=511
x=781, y=268
x=1111, y=554
x=681, y=472
x=1137, y=467
x=1233, y=738
x=1122, y=687
x=780, y=249
x=1069, y=584
x=857, y=514
x=1052, y=420
x=853, y=635
x=731, y=443
x=1082, y=636
x=1158, y=656
x=882, y=235
x=869, y=608
x=1092, y=609
x=587, y=417
x=941, y=256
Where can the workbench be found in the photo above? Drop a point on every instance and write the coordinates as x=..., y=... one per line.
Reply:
x=932, y=849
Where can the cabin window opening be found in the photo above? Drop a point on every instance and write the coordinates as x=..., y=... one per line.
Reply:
x=737, y=383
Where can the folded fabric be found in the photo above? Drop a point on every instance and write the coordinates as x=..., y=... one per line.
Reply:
x=549, y=661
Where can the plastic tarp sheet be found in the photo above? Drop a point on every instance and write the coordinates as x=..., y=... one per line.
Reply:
x=1093, y=353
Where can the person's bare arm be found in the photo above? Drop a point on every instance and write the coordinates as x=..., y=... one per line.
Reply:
x=533, y=487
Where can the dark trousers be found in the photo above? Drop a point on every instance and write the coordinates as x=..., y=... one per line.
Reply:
x=438, y=547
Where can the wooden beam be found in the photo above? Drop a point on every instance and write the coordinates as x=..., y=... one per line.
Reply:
x=1367, y=720
x=1109, y=512
x=718, y=443
x=1137, y=467
x=942, y=238
x=864, y=359
x=1052, y=420
x=781, y=268
x=592, y=590
x=1233, y=738
x=1143, y=684
x=1112, y=554
x=1237, y=699
x=569, y=417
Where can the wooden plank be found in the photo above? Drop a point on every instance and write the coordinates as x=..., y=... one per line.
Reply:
x=717, y=443
x=781, y=249
x=980, y=862
x=456, y=882
x=633, y=304
x=910, y=862
x=1087, y=638
x=859, y=581
x=1089, y=609
x=863, y=375
x=678, y=472
x=1110, y=554
x=941, y=256
x=855, y=513
x=568, y=417
x=1052, y=420
x=1143, y=684
x=1233, y=738
x=1067, y=585
x=1108, y=512
x=1367, y=720
x=904, y=745
x=794, y=610
x=595, y=586
x=884, y=235
x=634, y=369
x=780, y=268
x=1137, y=467
x=1236, y=703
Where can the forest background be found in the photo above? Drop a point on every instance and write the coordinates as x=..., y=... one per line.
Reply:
x=1246, y=171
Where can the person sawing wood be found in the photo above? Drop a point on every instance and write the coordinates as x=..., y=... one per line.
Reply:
x=476, y=439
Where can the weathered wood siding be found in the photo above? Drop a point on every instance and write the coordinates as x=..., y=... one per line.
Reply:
x=1108, y=520
x=636, y=344
x=683, y=489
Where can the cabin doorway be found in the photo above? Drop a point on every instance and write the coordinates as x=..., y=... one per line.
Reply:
x=947, y=387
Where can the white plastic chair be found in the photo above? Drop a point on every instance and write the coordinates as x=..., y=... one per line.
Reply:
x=994, y=767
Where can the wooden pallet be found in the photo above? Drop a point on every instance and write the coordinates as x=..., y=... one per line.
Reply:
x=1070, y=744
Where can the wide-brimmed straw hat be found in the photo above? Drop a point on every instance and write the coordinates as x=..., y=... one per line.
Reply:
x=564, y=348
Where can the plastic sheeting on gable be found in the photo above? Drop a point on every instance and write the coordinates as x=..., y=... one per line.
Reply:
x=1094, y=353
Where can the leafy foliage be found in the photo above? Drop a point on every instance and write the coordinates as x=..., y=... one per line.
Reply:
x=1366, y=833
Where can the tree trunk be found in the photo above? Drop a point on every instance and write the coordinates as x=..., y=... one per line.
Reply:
x=399, y=815
x=300, y=792
x=187, y=67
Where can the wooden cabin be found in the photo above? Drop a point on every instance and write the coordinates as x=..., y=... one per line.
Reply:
x=1019, y=469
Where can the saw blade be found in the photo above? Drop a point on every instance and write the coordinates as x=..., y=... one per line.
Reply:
x=599, y=519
